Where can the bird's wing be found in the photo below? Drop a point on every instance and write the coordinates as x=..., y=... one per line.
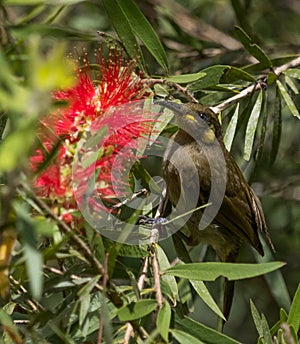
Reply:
x=241, y=212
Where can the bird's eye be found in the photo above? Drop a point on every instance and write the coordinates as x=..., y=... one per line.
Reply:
x=203, y=115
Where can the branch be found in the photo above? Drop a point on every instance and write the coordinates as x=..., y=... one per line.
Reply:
x=292, y=64
x=254, y=87
x=153, y=240
x=232, y=100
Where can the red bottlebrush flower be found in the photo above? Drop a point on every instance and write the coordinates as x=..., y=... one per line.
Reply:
x=116, y=83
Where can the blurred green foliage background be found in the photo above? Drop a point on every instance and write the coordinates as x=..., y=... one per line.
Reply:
x=36, y=36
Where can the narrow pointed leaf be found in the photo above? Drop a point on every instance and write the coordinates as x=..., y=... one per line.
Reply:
x=123, y=28
x=136, y=310
x=164, y=264
x=202, y=332
x=212, y=78
x=143, y=29
x=183, y=337
x=252, y=47
x=203, y=292
x=209, y=271
x=251, y=127
x=186, y=78
x=288, y=100
x=266, y=331
x=293, y=73
x=291, y=84
x=256, y=318
x=230, y=131
x=264, y=115
x=277, y=121
x=294, y=315
x=163, y=321
x=275, y=280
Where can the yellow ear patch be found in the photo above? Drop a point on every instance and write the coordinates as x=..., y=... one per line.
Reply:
x=208, y=136
x=191, y=117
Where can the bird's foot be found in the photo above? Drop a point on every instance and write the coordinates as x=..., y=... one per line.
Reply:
x=146, y=220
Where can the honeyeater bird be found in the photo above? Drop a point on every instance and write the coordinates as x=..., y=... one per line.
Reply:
x=195, y=162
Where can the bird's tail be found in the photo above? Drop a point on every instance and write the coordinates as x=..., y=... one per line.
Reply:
x=228, y=297
x=229, y=285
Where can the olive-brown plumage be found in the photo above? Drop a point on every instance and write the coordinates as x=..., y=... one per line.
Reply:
x=239, y=216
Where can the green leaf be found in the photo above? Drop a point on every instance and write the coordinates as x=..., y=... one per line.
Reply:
x=136, y=310
x=212, y=78
x=252, y=47
x=93, y=141
x=33, y=258
x=261, y=325
x=275, y=279
x=163, y=320
x=277, y=122
x=186, y=78
x=230, y=131
x=164, y=265
x=288, y=100
x=209, y=271
x=266, y=331
x=203, y=292
x=264, y=115
x=143, y=29
x=15, y=147
x=293, y=73
x=291, y=84
x=234, y=74
x=294, y=314
x=251, y=127
x=85, y=299
x=164, y=117
x=183, y=337
x=202, y=332
x=256, y=318
x=122, y=25
x=282, y=319
x=9, y=327
x=218, y=74
x=106, y=318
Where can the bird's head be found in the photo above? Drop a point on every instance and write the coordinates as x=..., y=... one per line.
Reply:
x=197, y=120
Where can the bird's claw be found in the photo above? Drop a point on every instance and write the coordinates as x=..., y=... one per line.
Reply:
x=145, y=220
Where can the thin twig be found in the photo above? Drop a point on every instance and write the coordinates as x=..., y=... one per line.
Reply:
x=133, y=197
x=66, y=229
x=232, y=100
x=34, y=304
x=72, y=276
x=156, y=276
x=153, y=240
x=292, y=64
x=174, y=85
